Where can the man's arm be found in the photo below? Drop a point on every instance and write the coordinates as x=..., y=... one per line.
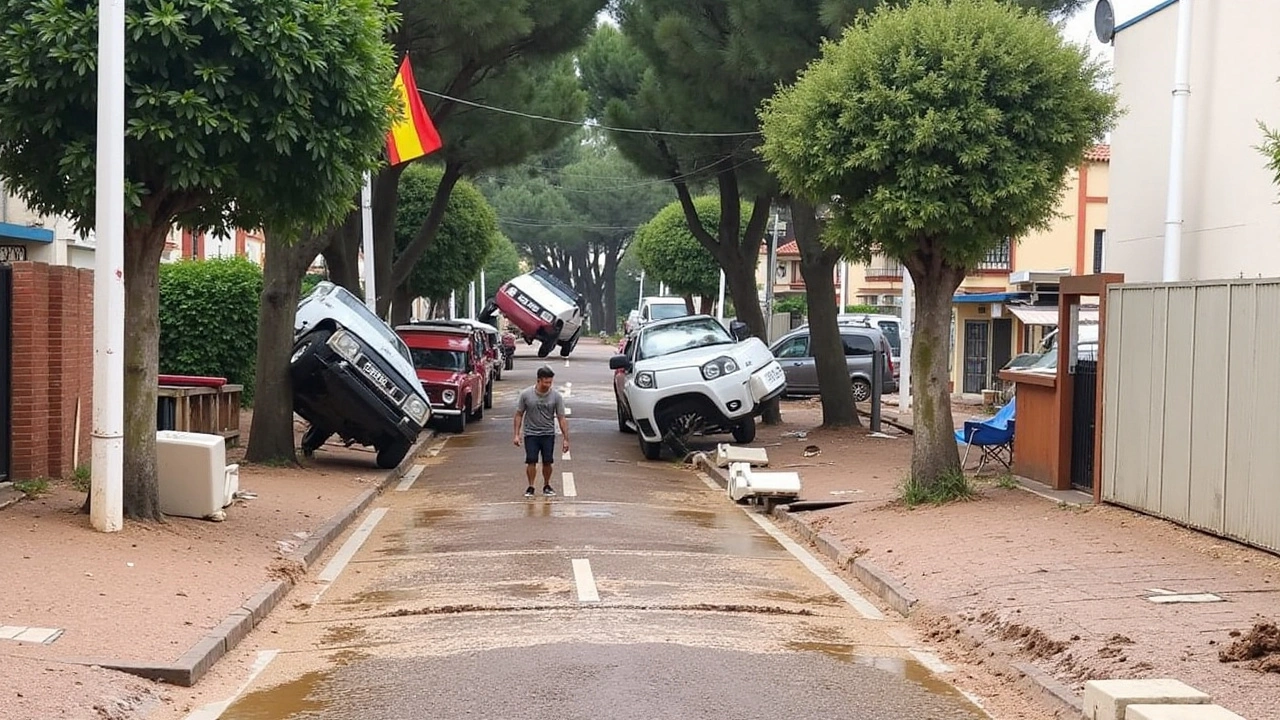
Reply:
x=519, y=417
x=564, y=424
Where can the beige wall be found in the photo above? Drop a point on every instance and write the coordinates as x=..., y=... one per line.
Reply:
x=1231, y=217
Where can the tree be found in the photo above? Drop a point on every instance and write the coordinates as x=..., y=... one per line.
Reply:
x=503, y=263
x=463, y=244
x=240, y=114
x=935, y=132
x=669, y=253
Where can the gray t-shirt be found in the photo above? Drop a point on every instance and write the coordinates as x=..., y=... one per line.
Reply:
x=540, y=411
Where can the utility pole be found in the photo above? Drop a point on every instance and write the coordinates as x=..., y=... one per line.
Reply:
x=771, y=274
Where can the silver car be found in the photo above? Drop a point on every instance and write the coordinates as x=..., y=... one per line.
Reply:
x=797, y=361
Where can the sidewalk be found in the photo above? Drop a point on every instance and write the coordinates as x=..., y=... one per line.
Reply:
x=1028, y=585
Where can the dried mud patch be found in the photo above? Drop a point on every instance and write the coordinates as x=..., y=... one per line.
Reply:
x=1260, y=646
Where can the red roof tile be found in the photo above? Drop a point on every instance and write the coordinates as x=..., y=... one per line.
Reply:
x=1098, y=153
x=790, y=248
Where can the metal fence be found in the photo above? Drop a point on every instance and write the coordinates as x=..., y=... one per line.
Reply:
x=1191, y=417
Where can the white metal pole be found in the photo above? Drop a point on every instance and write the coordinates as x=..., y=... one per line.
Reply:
x=844, y=284
x=471, y=300
x=106, y=495
x=771, y=274
x=720, y=302
x=640, y=297
x=904, y=333
x=366, y=228
x=1178, y=145
x=453, y=304
x=483, y=297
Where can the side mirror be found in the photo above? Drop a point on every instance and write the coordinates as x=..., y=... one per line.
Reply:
x=739, y=330
x=619, y=362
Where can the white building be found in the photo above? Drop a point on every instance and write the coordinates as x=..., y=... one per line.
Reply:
x=25, y=235
x=1231, y=225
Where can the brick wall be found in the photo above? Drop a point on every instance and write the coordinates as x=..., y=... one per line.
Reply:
x=52, y=368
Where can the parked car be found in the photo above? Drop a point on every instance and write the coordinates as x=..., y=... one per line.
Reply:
x=352, y=375
x=450, y=367
x=543, y=307
x=488, y=338
x=508, y=351
x=796, y=358
x=657, y=307
x=889, y=325
x=689, y=376
x=485, y=357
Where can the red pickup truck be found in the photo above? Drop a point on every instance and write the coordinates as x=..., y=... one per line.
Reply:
x=452, y=369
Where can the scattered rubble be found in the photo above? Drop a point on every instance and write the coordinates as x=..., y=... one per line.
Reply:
x=1261, y=646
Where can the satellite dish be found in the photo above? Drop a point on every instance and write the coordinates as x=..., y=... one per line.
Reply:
x=1104, y=21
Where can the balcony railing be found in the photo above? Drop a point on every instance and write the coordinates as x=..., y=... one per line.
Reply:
x=884, y=273
x=998, y=259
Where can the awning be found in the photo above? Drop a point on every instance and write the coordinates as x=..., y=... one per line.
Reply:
x=1048, y=315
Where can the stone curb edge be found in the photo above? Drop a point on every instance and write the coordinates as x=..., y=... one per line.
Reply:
x=199, y=659
x=895, y=594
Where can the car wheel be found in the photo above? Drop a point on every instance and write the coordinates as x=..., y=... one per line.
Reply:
x=861, y=390
x=458, y=423
x=567, y=346
x=546, y=347
x=622, y=418
x=650, y=450
x=304, y=360
x=745, y=431
x=510, y=362
x=313, y=439
x=488, y=396
x=487, y=312
x=392, y=453
x=475, y=411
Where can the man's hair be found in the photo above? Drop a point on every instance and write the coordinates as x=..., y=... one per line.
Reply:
x=545, y=372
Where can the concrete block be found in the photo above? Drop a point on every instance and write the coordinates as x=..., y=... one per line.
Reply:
x=726, y=453
x=1179, y=712
x=1107, y=699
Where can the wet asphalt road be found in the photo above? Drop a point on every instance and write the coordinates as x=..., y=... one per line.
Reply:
x=645, y=595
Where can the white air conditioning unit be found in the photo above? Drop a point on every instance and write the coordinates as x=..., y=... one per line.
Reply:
x=194, y=478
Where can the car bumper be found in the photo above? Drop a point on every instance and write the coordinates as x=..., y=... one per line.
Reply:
x=340, y=399
x=529, y=323
x=734, y=397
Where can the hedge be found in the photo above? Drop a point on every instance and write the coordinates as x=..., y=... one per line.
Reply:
x=209, y=319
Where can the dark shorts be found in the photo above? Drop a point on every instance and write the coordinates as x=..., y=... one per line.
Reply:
x=539, y=444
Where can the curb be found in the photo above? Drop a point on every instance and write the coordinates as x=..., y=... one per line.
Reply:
x=199, y=659
x=896, y=596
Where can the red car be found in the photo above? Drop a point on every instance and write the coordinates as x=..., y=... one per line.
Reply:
x=453, y=372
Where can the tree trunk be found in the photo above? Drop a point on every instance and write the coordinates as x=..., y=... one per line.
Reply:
x=817, y=266
x=403, y=266
x=143, y=247
x=386, y=204
x=401, y=306
x=610, y=291
x=934, y=453
x=271, y=436
x=708, y=306
x=342, y=254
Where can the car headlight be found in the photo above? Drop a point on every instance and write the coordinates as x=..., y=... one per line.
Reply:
x=448, y=396
x=510, y=290
x=720, y=366
x=417, y=409
x=546, y=315
x=345, y=344
x=646, y=380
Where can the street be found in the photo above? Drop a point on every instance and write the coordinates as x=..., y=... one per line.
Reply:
x=637, y=592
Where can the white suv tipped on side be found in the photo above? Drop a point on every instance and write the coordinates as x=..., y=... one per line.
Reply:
x=689, y=376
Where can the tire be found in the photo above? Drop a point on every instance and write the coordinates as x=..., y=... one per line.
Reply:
x=650, y=450
x=546, y=347
x=457, y=423
x=745, y=431
x=476, y=411
x=313, y=439
x=488, y=397
x=567, y=346
x=510, y=362
x=497, y=372
x=623, y=427
x=861, y=390
x=487, y=312
x=303, y=362
x=390, y=454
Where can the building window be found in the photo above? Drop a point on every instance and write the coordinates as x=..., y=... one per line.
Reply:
x=999, y=258
x=1099, y=238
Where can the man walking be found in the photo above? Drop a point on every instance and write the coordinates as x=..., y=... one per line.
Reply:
x=538, y=411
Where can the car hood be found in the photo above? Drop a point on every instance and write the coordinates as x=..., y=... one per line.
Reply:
x=441, y=377
x=751, y=354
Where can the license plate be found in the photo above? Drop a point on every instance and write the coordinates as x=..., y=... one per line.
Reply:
x=774, y=375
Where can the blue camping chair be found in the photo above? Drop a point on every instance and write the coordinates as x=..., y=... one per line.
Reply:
x=993, y=436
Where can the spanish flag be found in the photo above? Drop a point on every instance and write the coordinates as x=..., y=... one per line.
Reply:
x=413, y=134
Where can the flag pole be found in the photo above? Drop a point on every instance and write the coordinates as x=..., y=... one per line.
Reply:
x=366, y=228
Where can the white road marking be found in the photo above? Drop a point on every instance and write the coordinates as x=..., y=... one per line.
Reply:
x=566, y=456
x=214, y=710
x=566, y=483
x=407, y=481
x=568, y=411
x=566, y=362
x=585, y=580
x=18, y=633
x=348, y=550
x=434, y=450
x=568, y=389
x=931, y=661
x=833, y=581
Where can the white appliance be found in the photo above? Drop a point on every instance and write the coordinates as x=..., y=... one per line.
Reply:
x=194, y=478
x=764, y=486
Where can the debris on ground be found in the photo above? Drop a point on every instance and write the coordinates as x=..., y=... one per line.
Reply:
x=1261, y=645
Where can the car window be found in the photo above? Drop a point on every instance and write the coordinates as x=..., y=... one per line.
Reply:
x=555, y=285
x=450, y=360
x=796, y=347
x=666, y=311
x=890, y=330
x=666, y=339
x=857, y=345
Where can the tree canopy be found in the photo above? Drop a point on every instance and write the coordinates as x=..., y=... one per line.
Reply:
x=465, y=241
x=669, y=253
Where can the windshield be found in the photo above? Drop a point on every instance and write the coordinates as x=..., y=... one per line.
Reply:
x=666, y=311
x=359, y=308
x=555, y=285
x=890, y=331
x=450, y=360
x=667, y=339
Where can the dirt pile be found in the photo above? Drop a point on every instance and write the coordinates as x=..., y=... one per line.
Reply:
x=1261, y=646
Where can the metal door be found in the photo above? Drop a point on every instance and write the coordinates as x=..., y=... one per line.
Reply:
x=977, y=349
x=6, y=353
x=1084, y=404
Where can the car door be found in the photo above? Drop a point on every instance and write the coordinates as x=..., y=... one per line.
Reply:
x=794, y=357
x=858, y=354
x=620, y=377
